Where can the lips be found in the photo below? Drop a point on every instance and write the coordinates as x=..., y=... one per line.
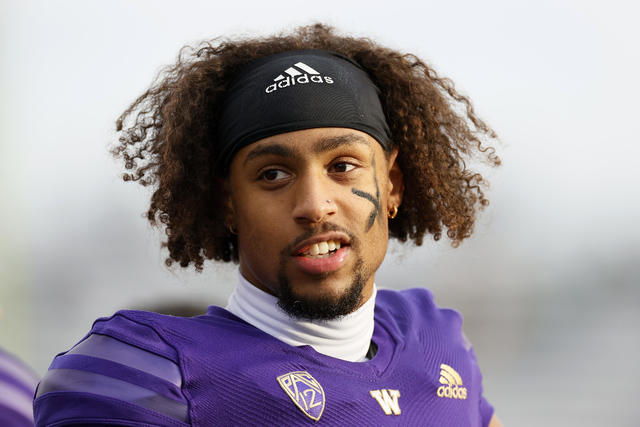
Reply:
x=321, y=249
x=322, y=254
x=321, y=244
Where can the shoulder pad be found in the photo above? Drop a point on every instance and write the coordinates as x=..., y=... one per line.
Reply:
x=110, y=377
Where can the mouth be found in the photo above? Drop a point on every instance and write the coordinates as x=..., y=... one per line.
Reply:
x=322, y=249
x=322, y=253
x=321, y=246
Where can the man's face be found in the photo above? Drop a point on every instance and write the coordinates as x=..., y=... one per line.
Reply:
x=310, y=209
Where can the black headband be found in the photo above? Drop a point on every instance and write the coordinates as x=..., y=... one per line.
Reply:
x=298, y=90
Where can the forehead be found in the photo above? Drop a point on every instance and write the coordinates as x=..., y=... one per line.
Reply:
x=308, y=142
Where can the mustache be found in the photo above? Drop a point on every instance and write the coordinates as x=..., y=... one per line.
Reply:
x=323, y=228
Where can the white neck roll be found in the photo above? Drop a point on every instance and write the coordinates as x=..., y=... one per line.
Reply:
x=347, y=338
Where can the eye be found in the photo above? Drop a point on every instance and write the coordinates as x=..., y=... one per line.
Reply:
x=272, y=175
x=342, y=167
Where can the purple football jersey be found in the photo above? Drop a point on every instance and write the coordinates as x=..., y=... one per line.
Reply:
x=139, y=368
x=17, y=386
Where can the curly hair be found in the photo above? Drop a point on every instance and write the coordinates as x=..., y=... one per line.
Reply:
x=165, y=140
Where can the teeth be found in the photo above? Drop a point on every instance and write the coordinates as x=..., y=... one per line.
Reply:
x=322, y=248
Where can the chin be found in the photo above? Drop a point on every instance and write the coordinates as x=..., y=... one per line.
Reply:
x=323, y=299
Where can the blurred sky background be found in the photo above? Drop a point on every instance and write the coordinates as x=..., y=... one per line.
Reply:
x=549, y=283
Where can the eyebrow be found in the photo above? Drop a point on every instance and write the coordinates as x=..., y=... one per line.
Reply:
x=273, y=149
x=328, y=144
x=322, y=146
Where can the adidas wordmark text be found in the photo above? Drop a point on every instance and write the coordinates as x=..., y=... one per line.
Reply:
x=299, y=73
x=452, y=384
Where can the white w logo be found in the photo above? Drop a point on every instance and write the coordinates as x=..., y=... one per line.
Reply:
x=388, y=400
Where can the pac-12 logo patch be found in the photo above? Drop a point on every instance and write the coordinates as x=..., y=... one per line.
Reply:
x=305, y=391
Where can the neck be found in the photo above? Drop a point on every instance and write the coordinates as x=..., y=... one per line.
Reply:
x=347, y=338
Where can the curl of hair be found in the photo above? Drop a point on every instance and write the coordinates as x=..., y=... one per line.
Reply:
x=166, y=135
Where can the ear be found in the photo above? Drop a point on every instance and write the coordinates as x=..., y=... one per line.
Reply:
x=396, y=181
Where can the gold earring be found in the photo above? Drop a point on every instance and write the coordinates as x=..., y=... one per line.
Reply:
x=231, y=228
x=393, y=212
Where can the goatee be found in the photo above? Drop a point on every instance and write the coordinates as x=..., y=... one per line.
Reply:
x=325, y=307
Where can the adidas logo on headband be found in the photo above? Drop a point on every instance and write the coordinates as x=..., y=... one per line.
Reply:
x=299, y=73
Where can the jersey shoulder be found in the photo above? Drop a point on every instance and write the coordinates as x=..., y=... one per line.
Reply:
x=17, y=385
x=123, y=372
x=413, y=317
x=414, y=309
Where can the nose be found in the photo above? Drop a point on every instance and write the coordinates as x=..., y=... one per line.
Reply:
x=313, y=199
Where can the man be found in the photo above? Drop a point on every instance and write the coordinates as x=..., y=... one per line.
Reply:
x=296, y=156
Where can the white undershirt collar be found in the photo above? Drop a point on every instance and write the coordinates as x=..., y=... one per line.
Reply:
x=347, y=338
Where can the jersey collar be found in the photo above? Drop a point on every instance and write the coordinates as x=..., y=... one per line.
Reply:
x=347, y=338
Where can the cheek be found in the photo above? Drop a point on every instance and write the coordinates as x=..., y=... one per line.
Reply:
x=258, y=230
x=380, y=233
x=379, y=244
